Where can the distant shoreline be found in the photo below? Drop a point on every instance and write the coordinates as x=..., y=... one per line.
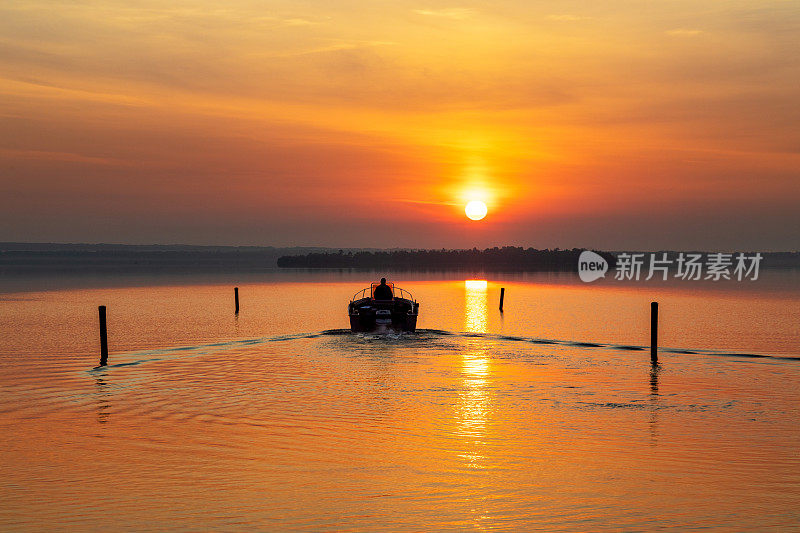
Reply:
x=506, y=259
x=45, y=258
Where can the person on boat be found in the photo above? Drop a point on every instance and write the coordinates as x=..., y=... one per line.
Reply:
x=383, y=291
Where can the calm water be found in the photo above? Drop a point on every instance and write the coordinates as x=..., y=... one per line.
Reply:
x=546, y=417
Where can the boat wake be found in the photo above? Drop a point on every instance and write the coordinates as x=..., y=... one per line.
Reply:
x=420, y=336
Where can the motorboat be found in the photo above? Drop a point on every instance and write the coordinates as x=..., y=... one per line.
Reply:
x=382, y=307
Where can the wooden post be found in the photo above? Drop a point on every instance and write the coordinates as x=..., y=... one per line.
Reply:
x=502, y=296
x=236, y=298
x=654, y=332
x=103, y=337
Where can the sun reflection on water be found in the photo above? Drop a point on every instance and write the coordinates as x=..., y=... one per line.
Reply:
x=474, y=401
x=475, y=305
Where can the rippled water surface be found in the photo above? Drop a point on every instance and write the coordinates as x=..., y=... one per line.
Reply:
x=548, y=416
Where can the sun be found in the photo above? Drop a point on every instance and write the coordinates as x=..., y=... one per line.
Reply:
x=475, y=210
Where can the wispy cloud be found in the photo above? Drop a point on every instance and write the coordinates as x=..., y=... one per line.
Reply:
x=424, y=202
x=456, y=13
x=334, y=47
x=683, y=32
x=299, y=22
x=566, y=18
x=66, y=157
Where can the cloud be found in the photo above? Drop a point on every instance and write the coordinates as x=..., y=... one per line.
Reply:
x=566, y=18
x=682, y=32
x=109, y=106
x=64, y=157
x=299, y=22
x=455, y=13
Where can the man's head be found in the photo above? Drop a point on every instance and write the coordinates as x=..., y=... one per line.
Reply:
x=383, y=281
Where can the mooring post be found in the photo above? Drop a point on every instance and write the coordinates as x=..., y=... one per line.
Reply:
x=654, y=332
x=236, y=298
x=502, y=296
x=103, y=336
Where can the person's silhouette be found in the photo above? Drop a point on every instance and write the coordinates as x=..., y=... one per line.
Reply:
x=383, y=291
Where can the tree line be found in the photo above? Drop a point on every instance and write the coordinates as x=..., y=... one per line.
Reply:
x=507, y=258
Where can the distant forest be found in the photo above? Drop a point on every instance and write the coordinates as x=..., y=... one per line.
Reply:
x=52, y=258
x=507, y=258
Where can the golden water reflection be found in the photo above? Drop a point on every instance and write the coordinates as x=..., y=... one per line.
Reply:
x=475, y=305
x=474, y=401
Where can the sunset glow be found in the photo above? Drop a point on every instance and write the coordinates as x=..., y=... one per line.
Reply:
x=327, y=124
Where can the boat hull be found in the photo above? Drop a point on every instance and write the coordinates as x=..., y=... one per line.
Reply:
x=397, y=315
x=367, y=324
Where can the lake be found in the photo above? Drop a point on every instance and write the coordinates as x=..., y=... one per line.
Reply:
x=548, y=416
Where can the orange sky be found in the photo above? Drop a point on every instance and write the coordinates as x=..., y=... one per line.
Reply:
x=623, y=125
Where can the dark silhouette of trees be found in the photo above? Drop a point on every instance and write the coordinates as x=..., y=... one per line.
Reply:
x=507, y=258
